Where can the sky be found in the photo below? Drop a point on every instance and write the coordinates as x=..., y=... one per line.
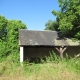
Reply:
x=33, y=13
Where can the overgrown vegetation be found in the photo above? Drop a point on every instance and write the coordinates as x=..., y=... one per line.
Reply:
x=67, y=18
x=52, y=69
x=9, y=35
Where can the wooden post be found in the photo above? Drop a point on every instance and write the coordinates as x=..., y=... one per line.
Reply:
x=21, y=53
x=61, y=50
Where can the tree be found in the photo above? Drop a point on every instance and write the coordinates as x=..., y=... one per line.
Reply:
x=69, y=17
x=10, y=44
x=52, y=25
x=3, y=24
x=13, y=27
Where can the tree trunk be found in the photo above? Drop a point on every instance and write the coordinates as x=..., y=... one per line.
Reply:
x=61, y=51
x=61, y=55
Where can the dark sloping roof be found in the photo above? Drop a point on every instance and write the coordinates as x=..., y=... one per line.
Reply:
x=41, y=38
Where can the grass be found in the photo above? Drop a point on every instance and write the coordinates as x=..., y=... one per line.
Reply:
x=53, y=69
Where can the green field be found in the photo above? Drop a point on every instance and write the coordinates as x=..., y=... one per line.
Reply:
x=52, y=69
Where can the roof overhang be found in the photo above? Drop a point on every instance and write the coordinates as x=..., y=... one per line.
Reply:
x=44, y=38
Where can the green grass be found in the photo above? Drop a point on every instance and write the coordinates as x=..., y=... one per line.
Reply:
x=52, y=69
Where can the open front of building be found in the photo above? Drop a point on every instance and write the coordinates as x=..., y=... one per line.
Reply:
x=38, y=44
x=42, y=51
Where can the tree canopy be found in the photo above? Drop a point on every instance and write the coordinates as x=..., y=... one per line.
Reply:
x=3, y=24
x=68, y=18
x=52, y=25
x=9, y=30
